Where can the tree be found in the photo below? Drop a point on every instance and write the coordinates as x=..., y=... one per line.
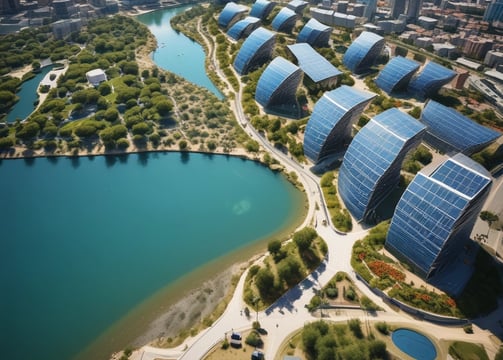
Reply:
x=304, y=238
x=164, y=107
x=289, y=270
x=140, y=128
x=6, y=143
x=264, y=280
x=274, y=246
x=28, y=130
x=182, y=144
x=488, y=217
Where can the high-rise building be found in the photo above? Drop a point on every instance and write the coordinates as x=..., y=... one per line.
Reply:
x=398, y=8
x=494, y=11
x=371, y=167
x=413, y=9
x=9, y=6
x=430, y=229
x=370, y=9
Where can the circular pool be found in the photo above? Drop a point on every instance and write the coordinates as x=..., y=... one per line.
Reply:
x=414, y=344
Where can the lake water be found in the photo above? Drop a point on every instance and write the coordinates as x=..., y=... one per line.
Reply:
x=85, y=240
x=414, y=344
x=27, y=96
x=176, y=52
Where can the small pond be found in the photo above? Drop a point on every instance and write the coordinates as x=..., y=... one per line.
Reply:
x=414, y=344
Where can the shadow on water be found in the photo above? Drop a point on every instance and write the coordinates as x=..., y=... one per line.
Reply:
x=184, y=157
x=209, y=156
x=91, y=157
x=123, y=158
x=143, y=158
x=29, y=161
x=75, y=162
x=53, y=159
x=110, y=160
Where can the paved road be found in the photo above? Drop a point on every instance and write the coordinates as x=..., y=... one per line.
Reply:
x=289, y=313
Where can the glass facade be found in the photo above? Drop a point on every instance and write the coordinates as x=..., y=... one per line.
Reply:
x=363, y=52
x=315, y=66
x=396, y=74
x=230, y=14
x=370, y=170
x=255, y=51
x=450, y=131
x=315, y=34
x=262, y=8
x=329, y=127
x=430, y=80
x=243, y=28
x=297, y=5
x=431, y=226
x=284, y=21
x=277, y=86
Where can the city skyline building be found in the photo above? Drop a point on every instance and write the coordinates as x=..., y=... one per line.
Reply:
x=9, y=6
x=370, y=170
x=431, y=226
x=328, y=130
x=398, y=8
x=363, y=52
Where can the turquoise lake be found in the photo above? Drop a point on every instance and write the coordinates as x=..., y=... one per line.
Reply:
x=27, y=96
x=176, y=52
x=85, y=240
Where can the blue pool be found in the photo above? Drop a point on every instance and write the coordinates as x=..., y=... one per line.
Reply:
x=414, y=344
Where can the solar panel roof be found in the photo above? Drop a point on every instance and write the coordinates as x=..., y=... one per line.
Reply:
x=312, y=63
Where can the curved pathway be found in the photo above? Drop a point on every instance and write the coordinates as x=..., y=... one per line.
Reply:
x=289, y=313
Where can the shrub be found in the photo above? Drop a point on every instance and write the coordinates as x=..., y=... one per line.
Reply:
x=382, y=327
x=253, y=339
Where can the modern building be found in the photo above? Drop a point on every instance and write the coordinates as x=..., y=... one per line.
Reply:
x=328, y=130
x=363, y=52
x=284, y=21
x=315, y=34
x=64, y=9
x=398, y=8
x=370, y=170
x=432, y=77
x=262, y=8
x=396, y=74
x=333, y=18
x=244, y=27
x=476, y=47
x=370, y=9
x=96, y=76
x=298, y=6
x=413, y=9
x=493, y=58
x=494, y=12
x=320, y=73
x=9, y=6
x=230, y=14
x=255, y=51
x=451, y=131
x=277, y=87
x=63, y=28
x=430, y=229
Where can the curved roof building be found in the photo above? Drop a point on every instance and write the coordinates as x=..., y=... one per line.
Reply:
x=329, y=127
x=315, y=34
x=318, y=69
x=243, y=28
x=277, y=86
x=262, y=8
x=396, y=74
x=431, y=226
x=255, y=51
x=449, y=130
x=370, y=170
x=297, y=5
x=230, y=14
x=284, y=21
x=363, y=52
x=430, y=80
